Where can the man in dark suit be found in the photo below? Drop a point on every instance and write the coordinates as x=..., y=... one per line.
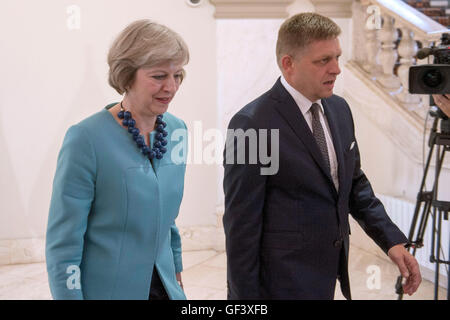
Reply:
x=287, y=233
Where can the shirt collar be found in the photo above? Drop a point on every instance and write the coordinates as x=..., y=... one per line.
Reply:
x=302, y=102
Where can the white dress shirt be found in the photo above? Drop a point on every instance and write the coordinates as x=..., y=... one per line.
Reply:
x=304, y=104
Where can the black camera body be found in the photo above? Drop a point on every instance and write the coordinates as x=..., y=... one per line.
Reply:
x=429, y=79
x=432, y=78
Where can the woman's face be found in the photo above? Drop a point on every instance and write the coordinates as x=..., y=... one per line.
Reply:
x=153, y=88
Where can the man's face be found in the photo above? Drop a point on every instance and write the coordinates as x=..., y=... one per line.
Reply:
x=314, y=69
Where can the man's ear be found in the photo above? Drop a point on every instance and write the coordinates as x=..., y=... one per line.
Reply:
x=287, y=63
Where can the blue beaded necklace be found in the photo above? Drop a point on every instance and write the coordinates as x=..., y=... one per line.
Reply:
x=158, y=149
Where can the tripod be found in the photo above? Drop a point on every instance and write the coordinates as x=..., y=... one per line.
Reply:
x=427, y=200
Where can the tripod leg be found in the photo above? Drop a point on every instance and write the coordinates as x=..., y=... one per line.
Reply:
x=438, y=257
x=424, y=198
x=399, y=288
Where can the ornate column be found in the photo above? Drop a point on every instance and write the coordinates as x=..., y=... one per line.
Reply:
x=372, y=43
x=407, y=50
x=388, y=55
x=366, y=44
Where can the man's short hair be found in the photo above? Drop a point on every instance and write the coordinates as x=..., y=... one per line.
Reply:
x=300, y=30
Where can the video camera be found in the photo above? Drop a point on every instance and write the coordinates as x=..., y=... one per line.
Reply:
x=432, y=78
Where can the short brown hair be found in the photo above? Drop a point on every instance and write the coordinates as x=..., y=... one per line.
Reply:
x=301, y=29
x=143, y=43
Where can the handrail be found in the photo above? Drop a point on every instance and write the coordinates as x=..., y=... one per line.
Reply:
x=423, y=26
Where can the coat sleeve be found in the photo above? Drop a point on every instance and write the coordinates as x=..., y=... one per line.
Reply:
x=175, y=238
x=175, y=242
x=244, y=189
x=369, y=212
x=72, y=196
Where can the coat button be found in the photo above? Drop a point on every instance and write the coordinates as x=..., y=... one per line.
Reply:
x=337, y=243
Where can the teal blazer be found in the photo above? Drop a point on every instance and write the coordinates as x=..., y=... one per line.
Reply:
x=112, y=213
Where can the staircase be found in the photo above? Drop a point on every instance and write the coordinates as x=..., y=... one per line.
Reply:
x=438, y=10
x=376, y=87
x=383, y=56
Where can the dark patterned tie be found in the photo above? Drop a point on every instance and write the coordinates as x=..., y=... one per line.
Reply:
x=319, y=134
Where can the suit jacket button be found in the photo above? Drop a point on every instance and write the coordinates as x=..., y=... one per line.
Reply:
x=337, y=243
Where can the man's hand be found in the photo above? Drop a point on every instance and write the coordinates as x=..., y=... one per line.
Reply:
x=408, y=266
x=443, y=102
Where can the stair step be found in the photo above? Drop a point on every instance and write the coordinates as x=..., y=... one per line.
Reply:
x=438, y=10
x=445, y=20
x=418, y=4
x=428, y=3
x=439, y=3
x=433, y=11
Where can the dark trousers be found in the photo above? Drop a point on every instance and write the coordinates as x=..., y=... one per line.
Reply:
x=157, y=290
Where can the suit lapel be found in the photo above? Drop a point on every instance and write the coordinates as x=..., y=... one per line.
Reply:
x=293, y=116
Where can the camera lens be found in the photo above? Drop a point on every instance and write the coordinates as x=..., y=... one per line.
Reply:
x=432, y=78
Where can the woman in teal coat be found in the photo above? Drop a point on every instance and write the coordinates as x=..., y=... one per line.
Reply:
x=119, y=180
